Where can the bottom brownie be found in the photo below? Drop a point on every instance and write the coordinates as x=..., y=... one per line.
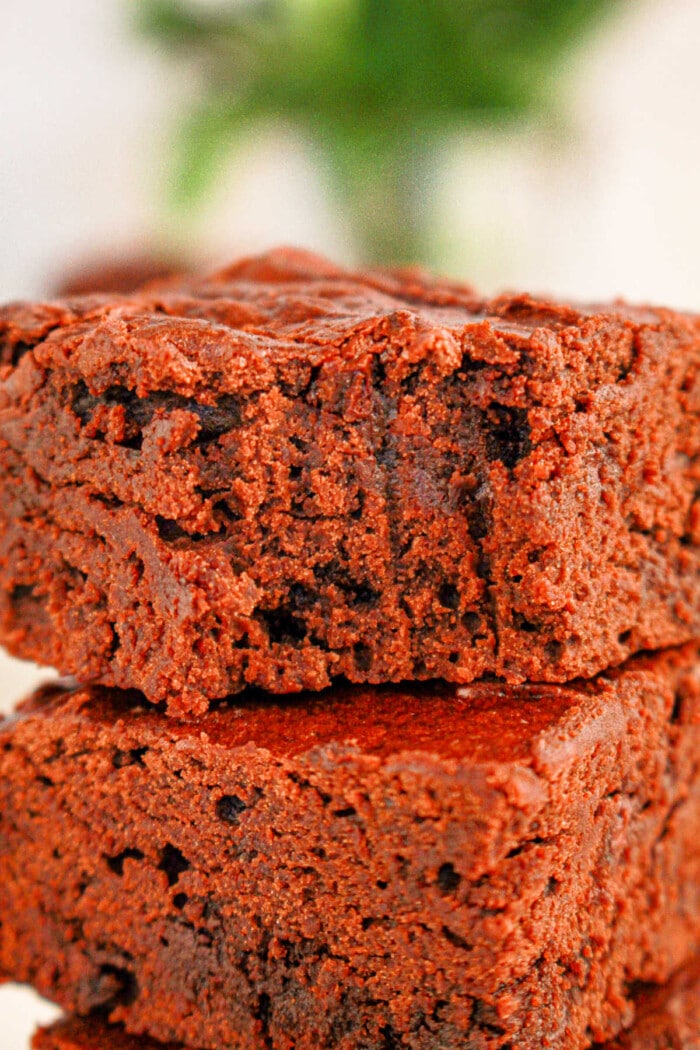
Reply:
x=667, y=1018
x=424, y=869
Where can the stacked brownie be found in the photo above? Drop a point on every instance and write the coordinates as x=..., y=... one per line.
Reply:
x=384, y=602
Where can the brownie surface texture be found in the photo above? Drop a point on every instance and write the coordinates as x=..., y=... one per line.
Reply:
x=426, y=868
x=667, y=1018
x=286, y=474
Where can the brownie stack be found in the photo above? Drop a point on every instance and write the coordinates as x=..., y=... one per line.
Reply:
x=384, y=602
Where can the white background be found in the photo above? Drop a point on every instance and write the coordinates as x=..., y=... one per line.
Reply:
x=607, y=205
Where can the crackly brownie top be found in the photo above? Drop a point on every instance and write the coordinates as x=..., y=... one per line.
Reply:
x=229, y=332
x=478, y=724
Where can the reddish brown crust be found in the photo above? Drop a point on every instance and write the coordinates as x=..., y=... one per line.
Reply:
x=429, y=868
x=286, y=473
x=667, y=1018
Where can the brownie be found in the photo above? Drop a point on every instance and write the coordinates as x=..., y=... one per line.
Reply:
x=668, y=1018
x=286, y=474
x=123, y=273
x=427, y=867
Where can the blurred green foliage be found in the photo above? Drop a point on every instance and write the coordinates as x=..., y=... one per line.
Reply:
x=377, y=84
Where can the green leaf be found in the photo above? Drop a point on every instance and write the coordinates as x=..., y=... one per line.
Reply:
x=376, y=82
x=205, y=141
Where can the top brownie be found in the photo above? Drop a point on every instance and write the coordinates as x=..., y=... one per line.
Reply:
x=285, y=473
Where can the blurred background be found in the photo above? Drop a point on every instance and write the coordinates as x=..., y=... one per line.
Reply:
x=537, y=144
x=529, y=143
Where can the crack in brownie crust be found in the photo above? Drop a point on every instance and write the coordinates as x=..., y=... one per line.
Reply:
x=422, y=867
x=286, y=474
